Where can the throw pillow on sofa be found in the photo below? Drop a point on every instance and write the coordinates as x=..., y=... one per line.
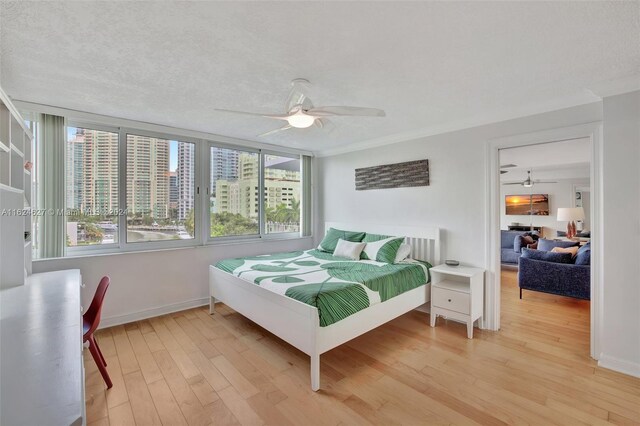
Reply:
x=521, y=241
x=548, y=245
x=584, y=255
x=573, y=251
x=546, y=256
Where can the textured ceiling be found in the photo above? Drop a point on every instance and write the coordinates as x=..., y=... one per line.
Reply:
x=427, y=64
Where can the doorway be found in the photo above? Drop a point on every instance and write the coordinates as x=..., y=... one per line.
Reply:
x=548, y=226
x=545, y=268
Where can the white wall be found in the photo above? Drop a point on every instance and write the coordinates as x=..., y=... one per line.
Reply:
x=621, y=212
x=560, y=195
x=455, y=200
x=145, y=284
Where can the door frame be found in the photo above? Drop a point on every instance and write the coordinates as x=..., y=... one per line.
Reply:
x=593, y=131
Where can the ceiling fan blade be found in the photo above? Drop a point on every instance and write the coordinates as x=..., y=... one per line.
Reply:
x=507, y=166
x=287, y=127
x=327, y=111
x=326, y=125
x=512, y=183
x=255, y=114
x=544, y=181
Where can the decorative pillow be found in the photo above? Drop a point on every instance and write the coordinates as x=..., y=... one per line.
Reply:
x=535, y=236
x=370, y=238
x=521, y=241
x=330, y=240
x=348, y=249
x=404, y=251
x=547, y=245
x=517, y=243
x=584, y=255
x=383, y=250
x=572, y=250
x=547, y=256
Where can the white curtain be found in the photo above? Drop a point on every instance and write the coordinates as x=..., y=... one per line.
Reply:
x=51, y=191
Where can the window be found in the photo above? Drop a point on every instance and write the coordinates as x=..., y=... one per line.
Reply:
x=233, y=203
x=129, y=189
x=160, y=189
x=282, y=194
x=91, y=187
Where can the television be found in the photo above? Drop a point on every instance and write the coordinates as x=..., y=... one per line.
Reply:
x=527, y=205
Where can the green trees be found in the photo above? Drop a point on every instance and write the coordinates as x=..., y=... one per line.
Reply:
x=284, y=214
x=93, y=232
x=224, y=224
x=231, y=224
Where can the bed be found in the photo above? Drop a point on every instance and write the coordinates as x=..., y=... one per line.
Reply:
x=270, y=290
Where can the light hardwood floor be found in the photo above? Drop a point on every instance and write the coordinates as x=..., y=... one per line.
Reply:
x=196, y=369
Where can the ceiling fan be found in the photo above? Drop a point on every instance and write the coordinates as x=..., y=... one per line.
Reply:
x=528, y=182
x=301, y=113
x=506, y=166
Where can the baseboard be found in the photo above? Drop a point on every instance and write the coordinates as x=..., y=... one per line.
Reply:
x=619, y=365
x=153, y=312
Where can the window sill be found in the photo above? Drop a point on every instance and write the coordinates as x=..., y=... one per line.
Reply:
x=210, y=244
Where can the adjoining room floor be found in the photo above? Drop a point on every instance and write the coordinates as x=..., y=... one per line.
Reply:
x=191, y=368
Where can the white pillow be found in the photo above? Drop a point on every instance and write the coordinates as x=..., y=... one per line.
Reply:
x=404, y=251
x=348, y=249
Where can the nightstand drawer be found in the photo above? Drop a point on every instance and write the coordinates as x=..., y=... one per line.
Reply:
x=449, y=299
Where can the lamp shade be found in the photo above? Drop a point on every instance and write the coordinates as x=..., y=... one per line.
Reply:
x=567, y=214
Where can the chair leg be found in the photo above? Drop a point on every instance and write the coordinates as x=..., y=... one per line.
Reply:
x=96, y=357
x=520, y=293
x=104, y=362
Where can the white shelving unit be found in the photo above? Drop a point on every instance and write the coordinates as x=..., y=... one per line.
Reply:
x=15, y=195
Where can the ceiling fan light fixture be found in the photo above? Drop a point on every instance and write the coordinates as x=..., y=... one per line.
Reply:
x=527, y=184
x=301, y=120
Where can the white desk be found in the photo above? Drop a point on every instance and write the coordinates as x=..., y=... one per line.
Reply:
x=41, y=369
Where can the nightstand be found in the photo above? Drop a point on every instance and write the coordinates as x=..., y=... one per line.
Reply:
x=457, y=292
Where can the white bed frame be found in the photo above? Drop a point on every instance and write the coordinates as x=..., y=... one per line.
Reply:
x=298, y=323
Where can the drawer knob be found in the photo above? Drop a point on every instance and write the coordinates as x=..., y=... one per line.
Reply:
x=449, y=300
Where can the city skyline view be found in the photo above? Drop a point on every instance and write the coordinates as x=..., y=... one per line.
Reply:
x=160, y=185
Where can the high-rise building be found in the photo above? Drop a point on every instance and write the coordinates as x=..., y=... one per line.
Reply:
x=281, y=186
x=186, y=178
x=92, y=174
x=147, y=176
x=173, y=190
x=224, y=166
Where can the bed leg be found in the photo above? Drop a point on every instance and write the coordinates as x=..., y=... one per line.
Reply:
x=315, y=372
x=212, y=309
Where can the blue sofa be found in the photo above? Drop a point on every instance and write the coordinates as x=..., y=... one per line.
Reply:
x=509, y=251
x=556, y=273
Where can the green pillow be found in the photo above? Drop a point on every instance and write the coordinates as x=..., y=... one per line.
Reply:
x=330, y=240
x=383, y=250
x=369, y=238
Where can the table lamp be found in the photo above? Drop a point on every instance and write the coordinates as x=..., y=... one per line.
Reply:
x=570, y=215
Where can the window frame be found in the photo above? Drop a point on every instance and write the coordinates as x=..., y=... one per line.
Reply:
x=227, y=238
x=202, y=174
x=263, y=218
x=122, y=231
x=88, y=249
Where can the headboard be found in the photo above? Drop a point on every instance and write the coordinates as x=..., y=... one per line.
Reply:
x=424, y=241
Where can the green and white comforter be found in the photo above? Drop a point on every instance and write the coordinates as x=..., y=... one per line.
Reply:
x=338, y=287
